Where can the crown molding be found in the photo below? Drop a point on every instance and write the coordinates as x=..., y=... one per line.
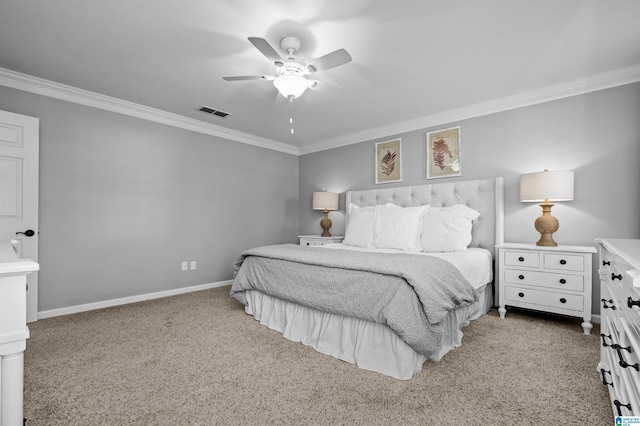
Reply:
x=51, y=89
x=581, y=86
x=63, y=92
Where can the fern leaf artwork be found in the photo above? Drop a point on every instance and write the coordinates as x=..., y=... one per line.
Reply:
x=440, y=152
x=389, y=161
x=443, y=153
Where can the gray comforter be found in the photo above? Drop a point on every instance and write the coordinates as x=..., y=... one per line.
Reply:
x=409, y=293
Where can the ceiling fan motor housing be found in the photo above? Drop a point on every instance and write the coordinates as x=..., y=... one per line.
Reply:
x=290, y=45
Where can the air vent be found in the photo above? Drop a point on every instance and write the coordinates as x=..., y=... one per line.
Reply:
x=213, y=111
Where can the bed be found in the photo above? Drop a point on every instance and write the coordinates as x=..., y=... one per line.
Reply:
x=415, y=267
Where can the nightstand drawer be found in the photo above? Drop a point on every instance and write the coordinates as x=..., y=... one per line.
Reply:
x=564, y=262
x=522, y=258
x=545, y=279
x=317, y=240
x=523, y=295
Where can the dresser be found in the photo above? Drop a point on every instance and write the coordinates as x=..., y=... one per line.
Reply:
x=317, y=240
x=13, y=332
x=550, y=279
x=619, y=366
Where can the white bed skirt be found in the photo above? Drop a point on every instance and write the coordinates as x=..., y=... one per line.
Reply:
x=368, y=345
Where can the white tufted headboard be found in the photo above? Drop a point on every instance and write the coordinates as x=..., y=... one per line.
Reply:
x=486, y=196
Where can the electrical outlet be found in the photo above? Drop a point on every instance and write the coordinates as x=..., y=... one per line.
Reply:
x=193, y=264
x=185, y=266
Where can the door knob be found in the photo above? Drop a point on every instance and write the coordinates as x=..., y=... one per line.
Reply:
x=27, y=233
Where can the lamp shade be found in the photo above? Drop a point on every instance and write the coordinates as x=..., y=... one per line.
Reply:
x=291, y=85
x=546, y=185
x=325, y=201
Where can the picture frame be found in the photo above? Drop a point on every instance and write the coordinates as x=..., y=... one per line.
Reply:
x=443, y=153
x=389, y=161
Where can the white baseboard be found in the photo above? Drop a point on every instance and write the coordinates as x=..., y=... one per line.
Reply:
x=126, y=300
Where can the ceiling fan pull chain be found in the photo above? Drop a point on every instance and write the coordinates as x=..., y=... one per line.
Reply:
x=291, y=113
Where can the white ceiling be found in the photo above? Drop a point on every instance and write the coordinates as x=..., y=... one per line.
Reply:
x=413, y=60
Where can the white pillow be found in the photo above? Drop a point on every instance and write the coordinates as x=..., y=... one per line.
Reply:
x=398, y=227
x=359, y=230
x=446, y=229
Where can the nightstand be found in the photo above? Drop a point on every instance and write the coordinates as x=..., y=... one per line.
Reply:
x=549, y=279
x=317, y=240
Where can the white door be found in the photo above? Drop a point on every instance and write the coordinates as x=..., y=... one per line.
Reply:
x=19, y=147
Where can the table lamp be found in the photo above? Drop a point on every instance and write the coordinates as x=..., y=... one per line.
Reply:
x=546, y=186
x=325, y=201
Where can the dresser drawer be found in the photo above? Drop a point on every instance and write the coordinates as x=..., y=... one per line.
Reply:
x=527, y=296
x=565, y=262
x=626, y=300
x=544, y=279
x=619, y=269
x=629, y=362
x=522, y=258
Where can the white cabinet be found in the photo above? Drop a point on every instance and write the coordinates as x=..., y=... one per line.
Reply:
x=550, y=279
x=317, y=240
x=13, y=332
x=619, y=366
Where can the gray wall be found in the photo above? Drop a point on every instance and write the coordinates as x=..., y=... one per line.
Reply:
x=597, y=135
x=123, y=201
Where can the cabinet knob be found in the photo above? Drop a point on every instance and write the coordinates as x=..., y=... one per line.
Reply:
x=631, y=302
x=563, y=281
x=563, y=262
x=619, y=404
x=605, y=263
x=616, y=277
x=521, y=294
x=563, y=300
x=605, y=306
x=521, y=277
x=604, y=380
x=521, y=259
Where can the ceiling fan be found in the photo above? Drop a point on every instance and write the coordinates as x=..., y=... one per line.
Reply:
x=290, y=78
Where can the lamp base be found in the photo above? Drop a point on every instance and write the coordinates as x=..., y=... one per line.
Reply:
x=325, y=223
x=546, y=225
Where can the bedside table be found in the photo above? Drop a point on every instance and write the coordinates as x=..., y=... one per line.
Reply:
x=317, y=240
x=549, y=279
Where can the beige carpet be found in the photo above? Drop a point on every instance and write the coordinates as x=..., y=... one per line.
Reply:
x=198, y=359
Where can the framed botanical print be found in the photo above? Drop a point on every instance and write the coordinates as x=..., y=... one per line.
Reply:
x=443, y=153
x=389, y=161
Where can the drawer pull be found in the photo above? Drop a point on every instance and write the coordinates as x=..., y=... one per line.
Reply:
x=521, y=277
x=631, y=302
x=604, y=336
x=521, y=259
x=521, y=294
x=604, y=380
x=619, y=404
x=616, y=277
x=563, y=262
x=606, y=263
x=605, y=306
x=563, y=300
x=563, y=281
x=623, y=363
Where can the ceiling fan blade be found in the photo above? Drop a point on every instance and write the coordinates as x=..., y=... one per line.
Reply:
x=249, y=77
x=265, y=48
x=330, y=60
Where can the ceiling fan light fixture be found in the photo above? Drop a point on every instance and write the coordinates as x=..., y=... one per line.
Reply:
x=291, y=85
